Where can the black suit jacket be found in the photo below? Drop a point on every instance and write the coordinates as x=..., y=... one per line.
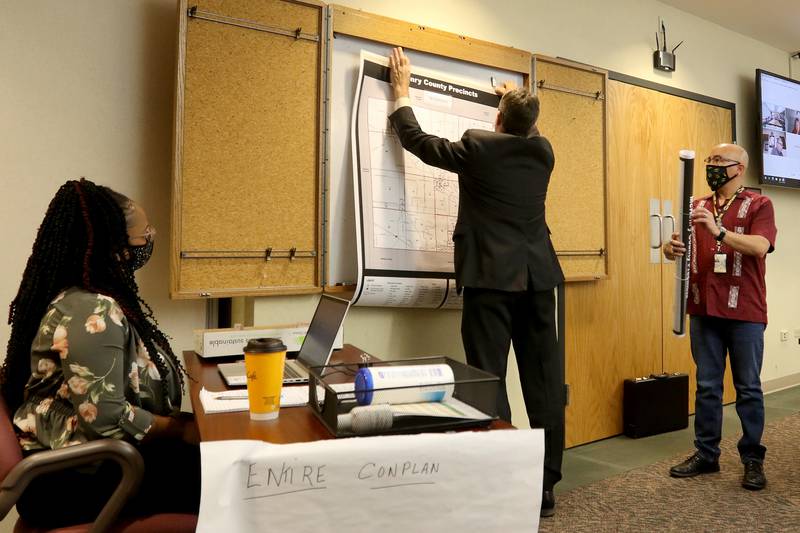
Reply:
x=501, y=237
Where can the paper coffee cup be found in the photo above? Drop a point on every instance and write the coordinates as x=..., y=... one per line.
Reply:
x=263, y=361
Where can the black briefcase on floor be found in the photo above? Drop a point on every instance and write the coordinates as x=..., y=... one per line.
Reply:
x=655, y=404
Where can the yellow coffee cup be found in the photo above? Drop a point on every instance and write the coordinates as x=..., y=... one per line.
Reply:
x=263, y=361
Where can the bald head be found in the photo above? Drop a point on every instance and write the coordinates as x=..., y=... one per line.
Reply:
x=732, y=153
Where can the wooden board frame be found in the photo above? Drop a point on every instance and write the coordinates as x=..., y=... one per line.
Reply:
x=176, y=290
x=598, y=275
x=344, y=20
x=357, y=23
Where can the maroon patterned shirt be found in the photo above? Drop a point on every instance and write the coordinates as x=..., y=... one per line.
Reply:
x=741, y=292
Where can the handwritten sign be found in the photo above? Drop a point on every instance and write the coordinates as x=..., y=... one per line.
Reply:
x=471, y=481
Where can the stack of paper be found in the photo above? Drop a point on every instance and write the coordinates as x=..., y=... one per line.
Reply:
x=236, y=400
x=230, y=401
x=451, y=408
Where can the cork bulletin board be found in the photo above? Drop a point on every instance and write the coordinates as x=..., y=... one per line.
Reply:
x=256, y=200
x=573, y=118
x=353, y=30
x=246, y=207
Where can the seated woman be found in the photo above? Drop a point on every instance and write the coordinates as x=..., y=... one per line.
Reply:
x=86, y=361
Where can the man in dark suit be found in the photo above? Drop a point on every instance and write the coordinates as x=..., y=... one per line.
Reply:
x=504, y=259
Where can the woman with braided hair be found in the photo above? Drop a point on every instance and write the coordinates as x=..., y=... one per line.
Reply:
x=86, y=360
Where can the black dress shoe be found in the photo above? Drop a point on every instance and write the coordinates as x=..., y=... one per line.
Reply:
x=694, y=466
x=548, y=503
x=754, y=478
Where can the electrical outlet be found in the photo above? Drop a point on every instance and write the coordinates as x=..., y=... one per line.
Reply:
x=784, y=335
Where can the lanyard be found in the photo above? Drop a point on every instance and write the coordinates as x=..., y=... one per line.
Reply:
x=723, y=210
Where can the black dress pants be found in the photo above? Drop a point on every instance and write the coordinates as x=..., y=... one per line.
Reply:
x=492, y=320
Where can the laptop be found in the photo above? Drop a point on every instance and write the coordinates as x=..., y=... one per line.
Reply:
x=316, y=350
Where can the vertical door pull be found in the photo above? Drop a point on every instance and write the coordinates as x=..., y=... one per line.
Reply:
x=655, y=231
x=667, y=235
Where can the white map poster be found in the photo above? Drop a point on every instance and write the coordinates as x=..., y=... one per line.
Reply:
x=405, y=209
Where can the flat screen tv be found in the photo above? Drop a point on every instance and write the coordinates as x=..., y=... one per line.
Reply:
x=779, y=129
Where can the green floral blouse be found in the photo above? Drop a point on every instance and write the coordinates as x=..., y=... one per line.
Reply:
x=91, y=377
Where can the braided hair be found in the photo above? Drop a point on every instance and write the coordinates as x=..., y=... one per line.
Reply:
x=82, y=242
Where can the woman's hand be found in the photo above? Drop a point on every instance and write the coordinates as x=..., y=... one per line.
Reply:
x=182, y=426
x=190, y=433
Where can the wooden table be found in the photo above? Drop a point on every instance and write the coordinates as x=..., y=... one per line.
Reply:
x=295, y=424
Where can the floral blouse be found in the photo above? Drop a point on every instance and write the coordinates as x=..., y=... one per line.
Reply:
x=91, y=377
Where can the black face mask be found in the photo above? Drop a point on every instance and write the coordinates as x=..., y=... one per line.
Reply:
x=717, y=176
x=140, y=255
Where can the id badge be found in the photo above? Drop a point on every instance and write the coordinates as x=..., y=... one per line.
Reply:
x=720, y=263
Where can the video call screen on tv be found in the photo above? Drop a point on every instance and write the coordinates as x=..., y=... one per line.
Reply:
x=780, y=129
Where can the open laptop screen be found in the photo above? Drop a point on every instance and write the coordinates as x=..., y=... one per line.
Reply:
x=318, y=344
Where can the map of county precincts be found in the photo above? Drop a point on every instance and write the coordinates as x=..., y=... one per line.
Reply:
x=408, y=209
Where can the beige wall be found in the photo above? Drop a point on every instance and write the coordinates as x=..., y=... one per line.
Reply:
x=617, y=35
x=86, y=88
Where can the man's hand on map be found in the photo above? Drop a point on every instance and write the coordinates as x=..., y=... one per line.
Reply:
x=508, y=85
x=400, y=72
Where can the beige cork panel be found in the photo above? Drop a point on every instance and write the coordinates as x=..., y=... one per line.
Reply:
x=275, y=13
x=569, y=75
x=249, y=166
x=576, y=199
x=225, y=277
x=583, y=268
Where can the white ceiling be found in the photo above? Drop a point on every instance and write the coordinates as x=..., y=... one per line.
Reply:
x=775, y=22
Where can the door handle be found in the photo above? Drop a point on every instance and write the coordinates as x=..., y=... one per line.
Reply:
x=655, y=224
x=656, y=231
x=668, y=236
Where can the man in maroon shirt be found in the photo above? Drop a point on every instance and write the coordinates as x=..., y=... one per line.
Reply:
x=734, y=230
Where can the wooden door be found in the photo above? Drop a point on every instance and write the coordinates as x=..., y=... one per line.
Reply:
x=695, y=126
x=622, y=327
x=614, y=325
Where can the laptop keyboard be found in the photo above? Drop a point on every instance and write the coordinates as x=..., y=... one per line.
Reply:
x=290, y=372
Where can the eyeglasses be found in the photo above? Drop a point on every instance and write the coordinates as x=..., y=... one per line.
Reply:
x=149, y=233
x=716, y=160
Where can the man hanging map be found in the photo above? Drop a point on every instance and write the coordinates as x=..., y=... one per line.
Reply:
x=406, y=210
